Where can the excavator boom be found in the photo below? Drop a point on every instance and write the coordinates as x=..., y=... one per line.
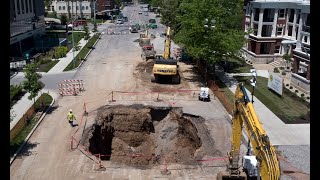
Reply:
x=166, y=52
x=244, y=114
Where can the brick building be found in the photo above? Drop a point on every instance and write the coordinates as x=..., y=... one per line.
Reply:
x=279, y=27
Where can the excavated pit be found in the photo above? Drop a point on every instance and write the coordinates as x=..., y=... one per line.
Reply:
x=154, y=132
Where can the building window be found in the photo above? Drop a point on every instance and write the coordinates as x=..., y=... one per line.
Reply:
x=52, y=8
x=256, y=14
x=82, y=7
x=27, y=8
x=69, y=7
x=63, y=7
x=277, y=49
x=255, y=29
x=76, y=7
x=30, y=6
x=22, y=6
x=87, y=7
x=59, y=7
x=279, y=31
x=18, y=7
x=289, y=30
x=305, y=38
x=291, y=15
x=281, y=13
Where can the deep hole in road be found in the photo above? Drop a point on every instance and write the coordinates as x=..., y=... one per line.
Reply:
x=151, y=133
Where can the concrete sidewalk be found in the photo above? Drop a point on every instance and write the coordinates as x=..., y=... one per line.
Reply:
x=64, y=62
x=278, y=132
x=22, y=106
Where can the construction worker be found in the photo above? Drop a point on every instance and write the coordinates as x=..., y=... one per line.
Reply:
x=71, y=117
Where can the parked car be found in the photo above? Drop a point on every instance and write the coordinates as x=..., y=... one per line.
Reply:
x=133, y=29
x=140, y=12
x=119, y=21
x=125, y=19
x=146, y=14
x=152, y=21
x=153, y=26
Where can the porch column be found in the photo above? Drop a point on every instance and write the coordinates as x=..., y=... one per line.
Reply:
x=294, y=23
x=308, y=71
x=260, y=22
x=274, y=26
x=295, y=65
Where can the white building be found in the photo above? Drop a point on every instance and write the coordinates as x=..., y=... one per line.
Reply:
x=80, y=9
x=275, y=26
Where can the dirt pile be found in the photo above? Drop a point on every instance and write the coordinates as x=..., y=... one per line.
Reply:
x=144, y=70
x=153, y=132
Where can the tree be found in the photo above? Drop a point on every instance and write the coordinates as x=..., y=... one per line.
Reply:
x=95, y=27
x=86, y=32
x=47, y=3
x=63, y=19
x=211, y=45
x=287, y=58
x=53, y=14
x=32, y=84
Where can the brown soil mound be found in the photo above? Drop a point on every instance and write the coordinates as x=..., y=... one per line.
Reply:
x=153, y=132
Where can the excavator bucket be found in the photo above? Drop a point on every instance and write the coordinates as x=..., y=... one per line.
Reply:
x=225, y=175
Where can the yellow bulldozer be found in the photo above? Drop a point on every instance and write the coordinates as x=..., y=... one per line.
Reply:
x=166, y=67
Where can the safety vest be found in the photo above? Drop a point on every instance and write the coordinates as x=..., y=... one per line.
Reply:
x=70, y=116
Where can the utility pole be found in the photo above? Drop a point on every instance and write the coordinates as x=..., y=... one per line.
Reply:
x=253, y=82
x=94, y=12
x=74, y=63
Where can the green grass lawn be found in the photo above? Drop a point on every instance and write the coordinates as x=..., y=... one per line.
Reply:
x=21, y=136
x=289, y=108
x=77, y=37
x=98, y=21
x=82, y=53
x=47, y=66
x=239, y=66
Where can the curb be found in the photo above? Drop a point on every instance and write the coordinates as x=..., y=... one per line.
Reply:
x=32, y=131
x=16, y=73
x=87, y=53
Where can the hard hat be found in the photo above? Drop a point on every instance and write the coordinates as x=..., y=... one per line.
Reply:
x=70, y=110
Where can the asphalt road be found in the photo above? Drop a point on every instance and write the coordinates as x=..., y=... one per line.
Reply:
x=109, y=67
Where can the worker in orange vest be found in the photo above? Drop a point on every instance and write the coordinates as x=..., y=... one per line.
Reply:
x=71, y=117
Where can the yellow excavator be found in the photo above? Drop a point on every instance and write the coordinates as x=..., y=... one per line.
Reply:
x=264, y=164
x=165, y=66
x=144, y=39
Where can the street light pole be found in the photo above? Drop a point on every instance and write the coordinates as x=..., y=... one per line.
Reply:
x=72, y=19
x=210, y=25
x=94, y=11
x=253, y=82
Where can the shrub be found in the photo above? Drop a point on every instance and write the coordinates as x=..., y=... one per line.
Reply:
x=291, y=87
x=302, y=116
x=61, y=51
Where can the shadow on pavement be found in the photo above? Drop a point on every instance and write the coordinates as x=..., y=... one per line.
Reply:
x=52, y=109
x=27, y=149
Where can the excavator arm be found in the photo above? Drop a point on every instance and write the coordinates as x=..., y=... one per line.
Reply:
x=166, y=52
x=245, y=115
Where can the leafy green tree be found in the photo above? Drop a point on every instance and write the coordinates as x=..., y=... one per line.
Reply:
x=95, y=27
x=220, y=39
x=63, y=19
x=287, y=58
x=32, y=84
x=53, y=14
x=47, y=3
x=86, y=32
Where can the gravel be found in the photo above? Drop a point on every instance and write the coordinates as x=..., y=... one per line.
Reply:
x=297, y=155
